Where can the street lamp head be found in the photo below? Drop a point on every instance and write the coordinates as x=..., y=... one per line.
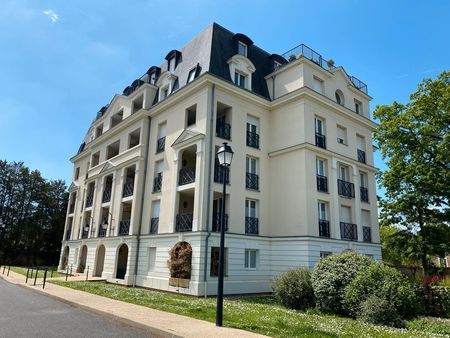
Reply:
x=225, y=155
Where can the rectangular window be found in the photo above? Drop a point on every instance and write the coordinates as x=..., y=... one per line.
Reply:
x=113, y=150
x=116, y=119
x=165, y=92
x=363, y=180
x=214, y=266
x=358, y=107
x=360, y=143
x=242, y=49
x=99, y=130
x=250, y=258
x=324, y=254
x=317, y=85
x=365, y=218
x=191, y=75
x=134, y=138
x=343, y=173
x=240, y=79
x=77, y=173
x=345, y=214
x=322, y=210
x=151, y=256
x=252, y=124
x=341, y=135
x=252, y=165
x=191, y=115
x=153, y=78
x=251, y=208
x=319, y=126
x=95, y=159
x=320, y=167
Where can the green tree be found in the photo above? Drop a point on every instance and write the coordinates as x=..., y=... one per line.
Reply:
x=414, y=139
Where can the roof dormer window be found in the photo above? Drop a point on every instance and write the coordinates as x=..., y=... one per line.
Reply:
x=193, y=73
x=173, y=59
x=240, y=79
x=153, y=74
x=242, y=48
x=171, y=66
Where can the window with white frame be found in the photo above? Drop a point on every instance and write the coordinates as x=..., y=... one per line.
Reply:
x=251, y=208
x=363, y=179
x=319, y=125
x=240, y=79
x=341, y=135
x=191, y=75
x=242, y=48
x=344, y=173
x=151, y=258
x=365, y=218
x=317, y=85
x=339, y=97
x=322, y=210
x=252, y=165
x=345, y=215
x=250, y=258
x=358, y=107
x=320, y=167
x=252, y=124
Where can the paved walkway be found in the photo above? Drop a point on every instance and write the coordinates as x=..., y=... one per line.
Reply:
x=157, y=323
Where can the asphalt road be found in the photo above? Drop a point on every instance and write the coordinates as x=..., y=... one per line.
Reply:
x=25, y=313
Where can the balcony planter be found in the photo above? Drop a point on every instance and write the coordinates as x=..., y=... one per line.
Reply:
x=179, y=282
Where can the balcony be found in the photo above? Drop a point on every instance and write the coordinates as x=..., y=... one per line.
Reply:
x=68, y=232
x=85, y=234
x=128, y=189
x=187, y=175
x=321, y=141
x=154, y=222
x=89, y=200
x=223, y=130
x=157, y=183
x=106, y=195
x=253, y=139
x=124, y=227
x=251, y=225
x=349, y=231
x=367, y=235
x=183, y=222
x=160, y=144
x=71, y=208
x=315, y=57
x=251, y=181
x=218, y=174
x=364, y=194
x=361, y=156
x=346, y=189
x=216, y=225
x=322, y=183
x=102, y=232
x=324, y=228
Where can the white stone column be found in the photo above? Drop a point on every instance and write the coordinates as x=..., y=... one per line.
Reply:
x=113, y=219
x=173, y=192
x=356, y=217
x=136, y=204
x=196, y=217
x=334, y=201
x=96, y=208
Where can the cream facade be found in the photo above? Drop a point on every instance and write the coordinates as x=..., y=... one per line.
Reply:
x=301, y=185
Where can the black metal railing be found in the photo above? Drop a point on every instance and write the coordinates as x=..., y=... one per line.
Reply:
x=128, y=189
x=217, y=220
x=322, y=183
x=324, y=228
x=85, y=234
x=361, y=156
x=157, y=182
x=160, y=144
x=218, y=174
x=187, y=175
x=223, y=130
x=367, y=235
x=184, y=222
x=106, y=195
x=251, y=181
x=321, y=141
x=349, y=231
x=364, y=194
x=68, y=232
x=89, y=200
x=346, y=189
x=124, y=227
x=154, y=222
x=252, y=139
x=251, y=225
x=71, y=208
x=101, y=232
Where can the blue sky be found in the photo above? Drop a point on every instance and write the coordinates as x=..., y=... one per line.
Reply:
x=60, y=61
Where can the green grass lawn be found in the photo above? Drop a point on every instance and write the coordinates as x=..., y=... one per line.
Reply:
x=261, y=314
x=23, y=271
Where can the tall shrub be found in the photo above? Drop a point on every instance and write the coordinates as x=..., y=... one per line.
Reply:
x=179, y=263
x=294, y=289
x=332, y=274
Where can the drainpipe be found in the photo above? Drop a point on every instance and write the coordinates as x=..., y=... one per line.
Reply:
x=208, y=201
x=141, y=213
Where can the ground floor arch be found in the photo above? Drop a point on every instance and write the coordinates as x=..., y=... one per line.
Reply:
x=83, y=257
x=122, y=261
x=99, y=261
x=65, y=258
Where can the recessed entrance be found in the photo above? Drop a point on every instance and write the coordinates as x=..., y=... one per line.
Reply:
x=122, y=259
x=100, y=261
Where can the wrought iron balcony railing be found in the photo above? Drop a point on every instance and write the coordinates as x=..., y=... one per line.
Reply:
x=322, y=183
x=251, y=225
x=71, y=208
x=252, y=139
x=85, y=234
x=251, y=181
x=367, y=235
x=128, y=189
x=218, y=174
x=346, y=189
x=184, y=222
x=106, y=195
x=89, y=200
x=154, y=222
x=68, y=232
x=321, y=141
x=101, y=232
x=124, y=227
x=157, y=182
x=187, y=175
x=223, y=130
x=217, y=222
x=349, y=231
x=361, y=156
x=160, y=144
x=364, y=194
x=324, y=228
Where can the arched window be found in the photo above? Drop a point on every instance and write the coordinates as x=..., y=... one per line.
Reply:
x=339, y=97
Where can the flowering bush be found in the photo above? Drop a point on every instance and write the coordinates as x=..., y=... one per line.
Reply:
x=294, y=289
x=179, y=263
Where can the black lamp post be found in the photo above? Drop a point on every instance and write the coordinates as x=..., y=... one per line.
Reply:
x=225, y=156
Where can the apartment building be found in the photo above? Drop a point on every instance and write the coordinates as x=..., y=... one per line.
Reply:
x=301, y=185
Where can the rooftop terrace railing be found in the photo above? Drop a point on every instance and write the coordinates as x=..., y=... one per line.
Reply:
x=317, y=58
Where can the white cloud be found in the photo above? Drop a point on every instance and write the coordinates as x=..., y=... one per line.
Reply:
x=51, y=15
